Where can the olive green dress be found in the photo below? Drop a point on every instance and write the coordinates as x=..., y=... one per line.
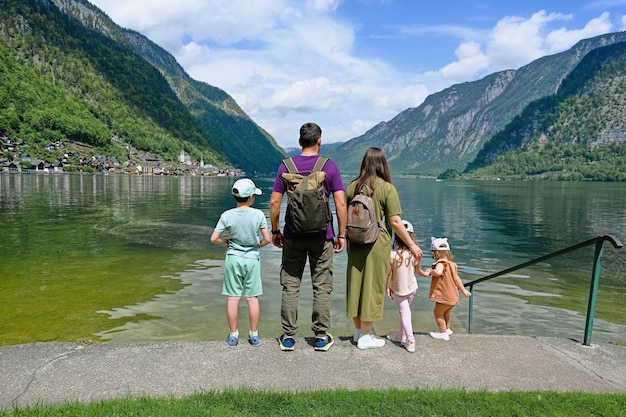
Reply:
x=368, y=264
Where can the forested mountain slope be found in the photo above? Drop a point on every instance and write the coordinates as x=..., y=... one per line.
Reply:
x=217, y=115
x=69, y=73
x=577, y=133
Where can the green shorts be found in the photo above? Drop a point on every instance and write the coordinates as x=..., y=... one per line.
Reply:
x=242, y=277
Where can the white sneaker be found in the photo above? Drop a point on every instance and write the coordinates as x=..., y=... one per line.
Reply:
x=441, y=336
x=410, y=346
x=357, y=334
x=449, y=332
x=396, y=337
x=370, y=342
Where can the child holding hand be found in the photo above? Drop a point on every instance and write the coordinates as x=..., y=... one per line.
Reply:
x=402, y=286
x=444, y=286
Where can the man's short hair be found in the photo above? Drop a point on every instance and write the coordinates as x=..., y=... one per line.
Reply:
x=309, y=134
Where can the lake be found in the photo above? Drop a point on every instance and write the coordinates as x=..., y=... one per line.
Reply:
x=128, y=259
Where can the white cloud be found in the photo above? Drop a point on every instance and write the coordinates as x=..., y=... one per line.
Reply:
x=323, y=5
x=397, y=101
x=305, y=96
x=223, y=22
x=516, y=41
x=471, y=60
x=563, y=38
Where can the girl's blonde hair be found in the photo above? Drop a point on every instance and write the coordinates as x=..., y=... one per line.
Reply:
x=446, y=254
x=401, y=248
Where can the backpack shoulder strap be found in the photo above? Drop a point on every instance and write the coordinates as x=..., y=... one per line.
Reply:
x=290, y=165
x=319, y=164
x=366, y=186
x=292, y=169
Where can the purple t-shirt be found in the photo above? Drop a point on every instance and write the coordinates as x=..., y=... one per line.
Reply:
x=305, y=164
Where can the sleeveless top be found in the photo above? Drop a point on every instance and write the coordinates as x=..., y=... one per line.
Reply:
x=403, y=280
x=443, y=288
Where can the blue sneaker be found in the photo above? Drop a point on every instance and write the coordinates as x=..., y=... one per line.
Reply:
x=324, y=342
x=232, y=341
x=287, y=343
x=255, y=340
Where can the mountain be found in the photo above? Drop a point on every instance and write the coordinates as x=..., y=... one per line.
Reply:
x=577, y=133
x=326, y=147
x=68, y=72
x=450, y=127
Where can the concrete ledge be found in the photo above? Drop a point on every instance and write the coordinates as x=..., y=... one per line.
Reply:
x=51, y=373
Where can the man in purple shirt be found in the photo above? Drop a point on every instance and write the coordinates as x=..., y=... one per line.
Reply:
x=318, y=250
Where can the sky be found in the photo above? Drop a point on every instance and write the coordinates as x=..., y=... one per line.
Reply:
x=349, y=65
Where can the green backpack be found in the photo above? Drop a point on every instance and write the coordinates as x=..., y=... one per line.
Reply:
x=308, y=211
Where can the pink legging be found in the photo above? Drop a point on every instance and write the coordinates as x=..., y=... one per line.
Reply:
x=404, y=308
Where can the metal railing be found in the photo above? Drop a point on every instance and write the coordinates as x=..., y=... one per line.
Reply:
x=595, y=278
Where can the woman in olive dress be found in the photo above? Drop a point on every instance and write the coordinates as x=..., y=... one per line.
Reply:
x=368, y=264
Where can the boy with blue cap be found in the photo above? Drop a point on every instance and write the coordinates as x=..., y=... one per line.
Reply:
x=238, y=228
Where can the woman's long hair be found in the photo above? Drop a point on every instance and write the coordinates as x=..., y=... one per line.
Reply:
x=374, y=164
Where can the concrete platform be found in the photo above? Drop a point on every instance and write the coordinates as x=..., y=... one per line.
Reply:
x=52, y=373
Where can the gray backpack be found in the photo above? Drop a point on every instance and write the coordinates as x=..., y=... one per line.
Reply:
x=362, y=226
x=308, y=211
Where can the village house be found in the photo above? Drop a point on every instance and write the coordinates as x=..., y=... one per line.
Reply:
x=13, y=158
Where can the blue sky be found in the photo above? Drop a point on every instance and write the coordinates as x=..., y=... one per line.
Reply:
x=349, y=65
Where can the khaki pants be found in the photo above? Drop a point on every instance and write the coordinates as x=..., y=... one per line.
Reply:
x=296, y=251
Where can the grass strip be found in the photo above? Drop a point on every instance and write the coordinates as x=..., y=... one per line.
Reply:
x=363, y=402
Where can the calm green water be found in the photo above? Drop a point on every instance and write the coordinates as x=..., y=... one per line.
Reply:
x=128, y=258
